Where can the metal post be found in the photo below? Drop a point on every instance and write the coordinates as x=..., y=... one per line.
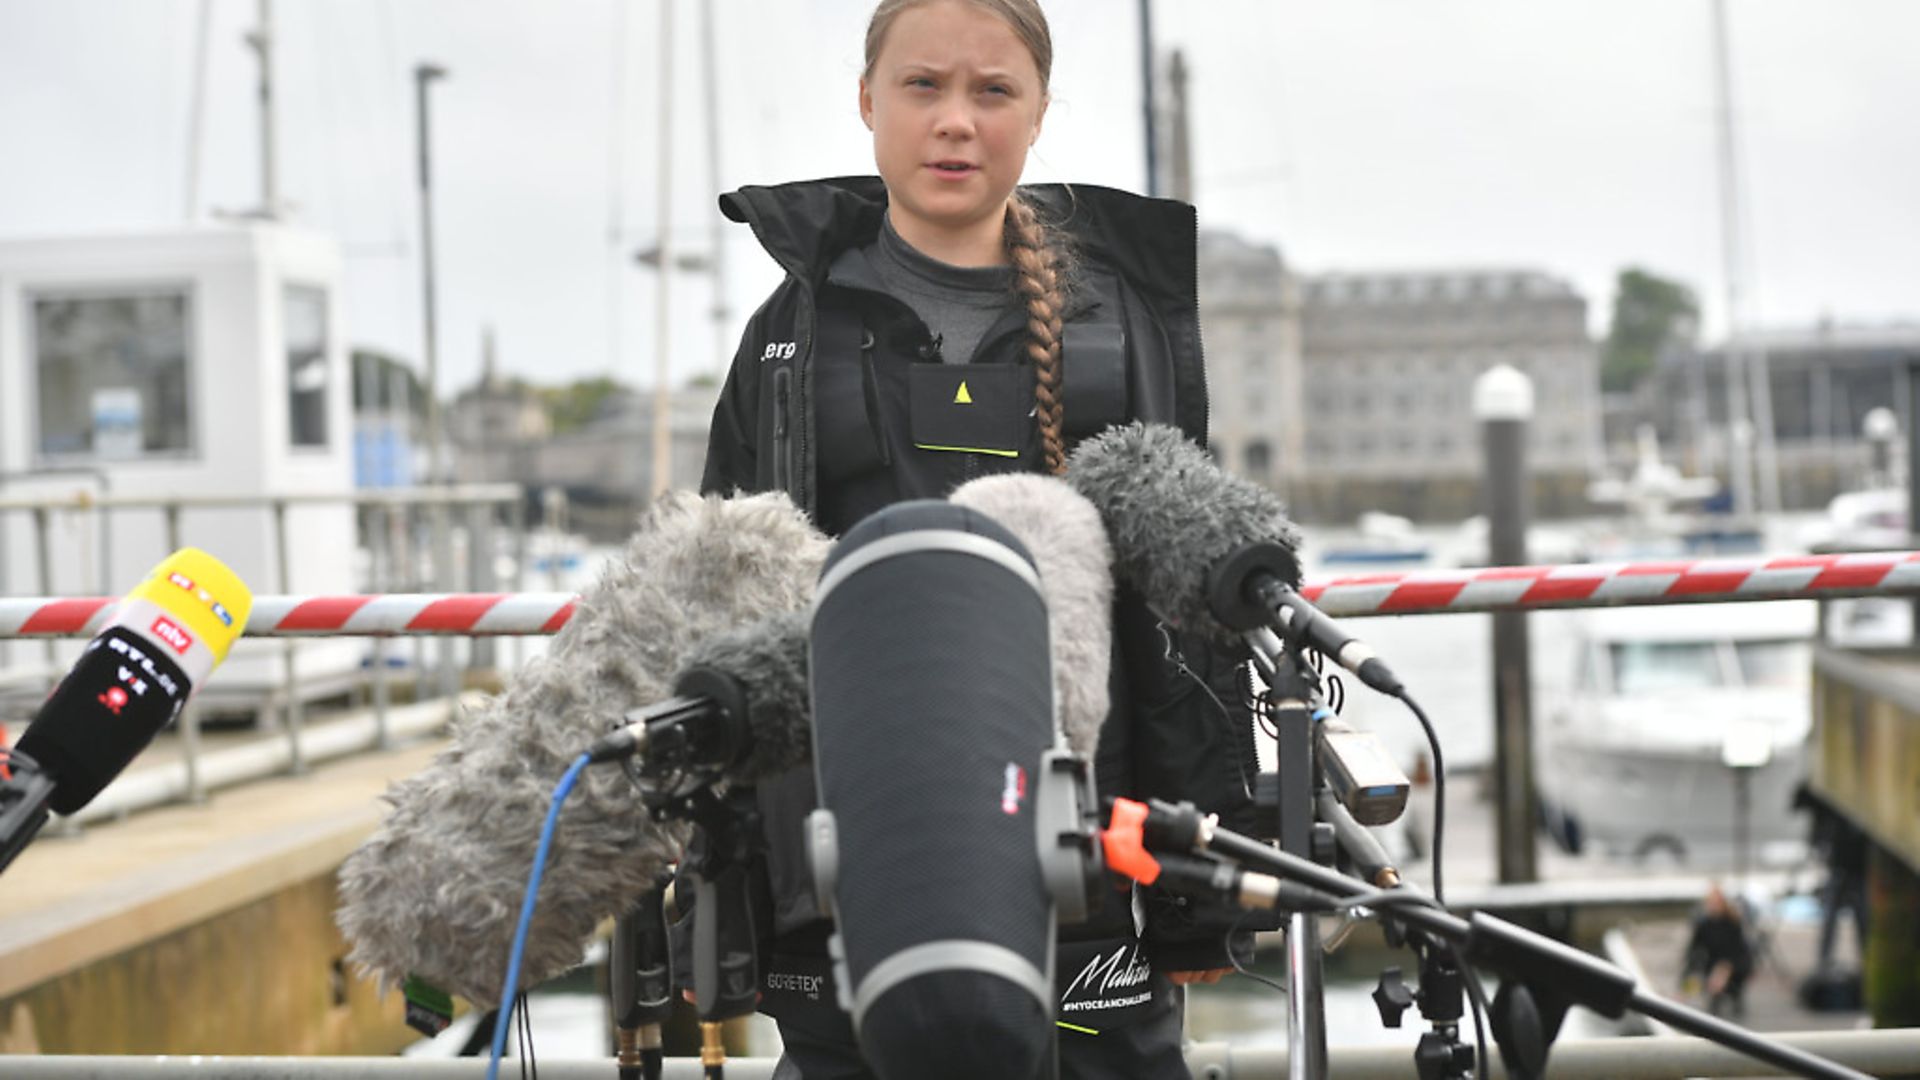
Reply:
x=443, y=579
x=423, y=75
x=190, y=751
x=1913, y=469
x=519, y=521
x=1739, y=452
x=709, y=86
x=172, y=512
x=262, y=41
x=1147, y=107
x=1306, y=993
x=290, y=709
x=197, y=109
x=1503, y=404
x=481, y=574
x=663, y=310
x=380, y=542
x=43, y=553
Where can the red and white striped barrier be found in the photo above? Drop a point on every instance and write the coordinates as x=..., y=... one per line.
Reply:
x=393, y=615
x=1677, y=581
x=1498, y=588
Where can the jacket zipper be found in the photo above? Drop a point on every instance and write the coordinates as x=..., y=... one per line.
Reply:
x=1206, y=403
x=782, y=428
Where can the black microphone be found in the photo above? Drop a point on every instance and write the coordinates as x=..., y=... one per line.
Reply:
x=131, y=681
x=1206, y=549
x=933, y=714
x=434, y=892
x=739, y=710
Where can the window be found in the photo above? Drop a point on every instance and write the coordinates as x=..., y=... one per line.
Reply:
x=1259, y=458
x=1646, y=667
x=111, y=374
x=304, y=325
x=1775, y=663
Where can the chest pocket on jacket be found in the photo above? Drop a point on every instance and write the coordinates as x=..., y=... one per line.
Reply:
x=971, y=408
x=1093, y=377
x=847, y=412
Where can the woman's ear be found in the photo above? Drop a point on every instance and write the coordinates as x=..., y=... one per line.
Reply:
x=1040, y=118
x=866, y=105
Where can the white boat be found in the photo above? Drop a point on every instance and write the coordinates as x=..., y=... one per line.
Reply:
x=1679, y=723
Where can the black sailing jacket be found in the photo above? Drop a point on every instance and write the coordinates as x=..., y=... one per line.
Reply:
x=800, y=412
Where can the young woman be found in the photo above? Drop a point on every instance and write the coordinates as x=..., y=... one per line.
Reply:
x=939, y=323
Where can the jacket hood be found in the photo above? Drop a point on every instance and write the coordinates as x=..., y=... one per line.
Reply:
x=806, y=223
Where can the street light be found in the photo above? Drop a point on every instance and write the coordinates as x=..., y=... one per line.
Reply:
x=423, y=75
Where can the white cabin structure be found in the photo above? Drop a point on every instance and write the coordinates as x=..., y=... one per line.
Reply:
x=190, y=363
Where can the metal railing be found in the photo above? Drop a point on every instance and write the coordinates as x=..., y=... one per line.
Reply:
x=447, y=615
x=388, y=519
x=1881, y=1053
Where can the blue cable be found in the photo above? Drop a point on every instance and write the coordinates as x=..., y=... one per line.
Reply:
x=501, y=1019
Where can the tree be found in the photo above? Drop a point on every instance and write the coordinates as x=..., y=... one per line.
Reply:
x=572, y=406
x=1649, y=314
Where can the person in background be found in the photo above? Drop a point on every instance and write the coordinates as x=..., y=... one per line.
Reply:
x=940, y=322
x=1719, y=955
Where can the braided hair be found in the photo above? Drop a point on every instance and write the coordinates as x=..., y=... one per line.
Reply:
x=1039, y=276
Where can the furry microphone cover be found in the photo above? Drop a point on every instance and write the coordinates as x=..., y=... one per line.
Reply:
x=1063, y=533
x=1172, y=515
x=435, y=892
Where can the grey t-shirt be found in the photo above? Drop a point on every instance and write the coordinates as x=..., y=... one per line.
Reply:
x=959, y=304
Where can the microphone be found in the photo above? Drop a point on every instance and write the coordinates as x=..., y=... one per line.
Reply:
x=1063, y=533
x=739, y=711
x=434, y=891
x=933, y=715
x=1206, y=549
x=131, y=681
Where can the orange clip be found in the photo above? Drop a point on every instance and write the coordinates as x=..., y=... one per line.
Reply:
x=1125, y=844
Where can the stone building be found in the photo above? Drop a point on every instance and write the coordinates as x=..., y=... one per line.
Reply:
x=1823, y=381
x=1250, y=319
x=1388, y=362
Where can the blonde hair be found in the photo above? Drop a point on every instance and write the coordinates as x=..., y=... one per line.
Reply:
x=1039, y=261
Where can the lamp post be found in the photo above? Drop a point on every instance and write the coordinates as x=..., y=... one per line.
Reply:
x=424, y=75
x=1503, y=405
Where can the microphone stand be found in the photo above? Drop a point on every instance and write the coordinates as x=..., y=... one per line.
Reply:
x=1518, y=953
x=1293, y=703
x=640, y=983
x=726, y=972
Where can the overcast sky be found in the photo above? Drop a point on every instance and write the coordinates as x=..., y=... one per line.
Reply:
x=1573, y=136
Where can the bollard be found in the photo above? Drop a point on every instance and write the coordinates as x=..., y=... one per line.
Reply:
x=1503, y=405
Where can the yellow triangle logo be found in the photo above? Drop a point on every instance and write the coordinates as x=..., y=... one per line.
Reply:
x=962, y=397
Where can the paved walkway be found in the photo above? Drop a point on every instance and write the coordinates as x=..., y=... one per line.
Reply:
x=70, y=900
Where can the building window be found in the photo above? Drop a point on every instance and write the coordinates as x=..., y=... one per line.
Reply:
x=1259, y=458
x=111, y=374
x=304, y=322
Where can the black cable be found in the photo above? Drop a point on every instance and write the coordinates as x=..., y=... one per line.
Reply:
x=529, y=1068
x=1235, y=960
x=1439, y=790
x=1477, y=997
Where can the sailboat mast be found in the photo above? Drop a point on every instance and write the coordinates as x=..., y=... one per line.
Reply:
x=1749, y=390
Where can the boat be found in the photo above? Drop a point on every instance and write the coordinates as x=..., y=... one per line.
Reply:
x=1682, y=734
x=1381, y=538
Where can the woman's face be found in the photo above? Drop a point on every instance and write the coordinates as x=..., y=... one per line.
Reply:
x=954, y=101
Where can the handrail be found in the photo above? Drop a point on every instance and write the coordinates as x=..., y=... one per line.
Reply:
x=409, y=496
x=1581, y=585
x=1885, y=1052
x=1515, y=588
